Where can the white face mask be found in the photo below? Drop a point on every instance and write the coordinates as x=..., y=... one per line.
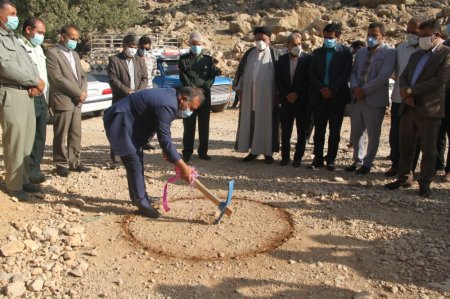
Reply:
x=296, y=50
x=131, y=52
x=261, y=45
x=425, y=43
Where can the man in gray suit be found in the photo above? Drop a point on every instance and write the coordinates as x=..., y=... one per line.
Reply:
x=127, y=73
x=423, y=106
x=68, y=91
x=369, y=82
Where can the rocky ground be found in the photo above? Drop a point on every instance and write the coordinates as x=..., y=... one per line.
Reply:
x=227, y=24
x=318, y=234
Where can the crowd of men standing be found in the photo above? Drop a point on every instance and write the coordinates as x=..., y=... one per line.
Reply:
x=319, y=87
x=306, y=88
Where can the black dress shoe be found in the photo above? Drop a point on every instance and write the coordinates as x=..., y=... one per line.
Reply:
x=204, y=157
x=315, y=165
x=149, y=212
x=351, y=168
x=62, y=171
x=249, y=157
x=20, y=195
x=363, y=170
x=284, y=162
x=391, y=172
x=296, y=163
x=186, y=158
x=31, y=188
x=399, y=183
x=331, y=167
x=38, y=179
x=424, y=190
x=268, y=159
x=149, y=147
x=80, y=168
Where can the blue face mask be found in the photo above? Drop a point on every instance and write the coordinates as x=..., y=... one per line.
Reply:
x=186, y=113
x=37, y=39
x=196, y=49
x=71, y=44
x=448, y=30
x=372, y=42
x=12, y=23
x=329, y=43
x=142, y=52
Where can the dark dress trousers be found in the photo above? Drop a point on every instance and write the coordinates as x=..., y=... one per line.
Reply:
x=329, y=111
x=128, y=125
x=423, y=121
x=297, y=111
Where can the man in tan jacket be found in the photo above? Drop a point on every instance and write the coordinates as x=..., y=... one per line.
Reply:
x=68, y=91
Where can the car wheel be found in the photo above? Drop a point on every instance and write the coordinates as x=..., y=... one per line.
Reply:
x=99, y=113
x=219, y=108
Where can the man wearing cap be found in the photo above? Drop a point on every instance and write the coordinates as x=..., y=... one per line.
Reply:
x=32, y=37
x=197, y=70
x=19, y=83
x=255, y=85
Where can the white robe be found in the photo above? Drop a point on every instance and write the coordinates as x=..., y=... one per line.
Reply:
x=257, y=86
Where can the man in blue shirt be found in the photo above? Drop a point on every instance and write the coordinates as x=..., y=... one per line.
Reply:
x=329, y=73
x=130, y=122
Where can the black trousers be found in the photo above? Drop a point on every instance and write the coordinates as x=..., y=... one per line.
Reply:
x=37, y=153
x=333, y=116
x=394, y=135
x=445, y=133
x=442, y=163
x=203, y=115
x=288, y=113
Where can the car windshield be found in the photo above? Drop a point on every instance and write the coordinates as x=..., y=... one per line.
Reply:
x=97, y=77
x=170, y=67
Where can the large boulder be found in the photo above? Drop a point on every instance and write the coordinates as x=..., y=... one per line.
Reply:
x=240, y=27
x=375, y=3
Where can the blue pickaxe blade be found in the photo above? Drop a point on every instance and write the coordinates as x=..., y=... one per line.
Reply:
x=226, y=203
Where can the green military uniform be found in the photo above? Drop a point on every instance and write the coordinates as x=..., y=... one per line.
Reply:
x=17, y=116
x=40, y=106
x=197, y=71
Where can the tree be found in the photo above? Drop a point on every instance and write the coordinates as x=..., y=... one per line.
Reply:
x=89, y=15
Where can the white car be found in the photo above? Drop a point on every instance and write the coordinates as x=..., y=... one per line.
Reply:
x=99, y=95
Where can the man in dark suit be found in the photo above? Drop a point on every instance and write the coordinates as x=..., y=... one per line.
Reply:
x=127, y=73
x=68, y=91
x=422, y=88
x=293, y=87
x=129, y=124
x=330, y=70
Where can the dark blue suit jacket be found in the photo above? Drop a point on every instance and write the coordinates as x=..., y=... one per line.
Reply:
x=339, y=72
x=130, y=122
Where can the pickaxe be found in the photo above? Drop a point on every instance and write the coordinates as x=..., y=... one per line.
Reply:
x=223, y=205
